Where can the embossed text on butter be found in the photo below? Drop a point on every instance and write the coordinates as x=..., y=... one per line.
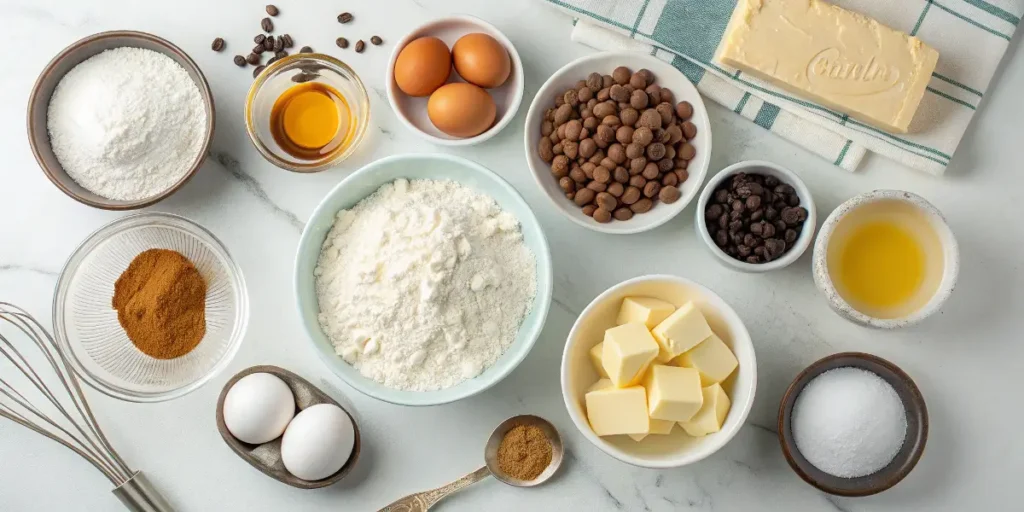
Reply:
x=838, y=58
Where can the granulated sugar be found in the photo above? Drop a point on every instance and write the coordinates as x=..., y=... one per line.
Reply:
x=849, y=422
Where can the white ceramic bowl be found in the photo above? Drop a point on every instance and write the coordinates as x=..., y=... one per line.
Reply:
x=666, y=76
x=656, y=451
x=413, y=111
x=767, y=169
x=949, y=248
x=364, y=182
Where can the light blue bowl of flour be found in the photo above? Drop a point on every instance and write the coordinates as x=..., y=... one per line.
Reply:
x=364, y=182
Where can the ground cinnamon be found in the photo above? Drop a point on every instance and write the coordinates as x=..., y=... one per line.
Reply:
x=161, y=303
x=524, y=452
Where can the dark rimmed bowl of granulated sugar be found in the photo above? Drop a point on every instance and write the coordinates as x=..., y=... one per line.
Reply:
x=266, y=457
x=904, y=461
x=68, y=58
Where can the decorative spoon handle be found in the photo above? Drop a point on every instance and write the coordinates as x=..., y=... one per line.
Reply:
x=422, y=501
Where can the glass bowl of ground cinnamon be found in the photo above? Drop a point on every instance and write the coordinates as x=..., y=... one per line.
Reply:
x=150, y=307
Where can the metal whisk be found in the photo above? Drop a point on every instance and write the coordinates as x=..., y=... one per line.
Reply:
x=62, y=413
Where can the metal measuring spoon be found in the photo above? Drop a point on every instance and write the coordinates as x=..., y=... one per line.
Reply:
x=423, y=501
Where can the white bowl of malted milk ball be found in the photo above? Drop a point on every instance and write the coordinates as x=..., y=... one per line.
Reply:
x=120, y=120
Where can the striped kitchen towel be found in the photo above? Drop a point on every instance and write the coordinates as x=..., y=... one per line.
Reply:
x=970, y=35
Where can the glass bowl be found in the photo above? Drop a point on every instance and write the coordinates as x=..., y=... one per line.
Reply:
x=293, y=70
x=87, y=328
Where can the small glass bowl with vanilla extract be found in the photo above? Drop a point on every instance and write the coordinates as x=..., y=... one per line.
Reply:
x=307, y=112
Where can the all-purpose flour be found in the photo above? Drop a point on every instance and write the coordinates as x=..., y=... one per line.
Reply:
x=424, y=284
x=127, y=123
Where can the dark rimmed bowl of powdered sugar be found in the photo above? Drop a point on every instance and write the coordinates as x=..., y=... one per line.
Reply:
x=183, y=165
x=902, y=463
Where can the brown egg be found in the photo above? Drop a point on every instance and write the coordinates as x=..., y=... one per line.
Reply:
x=482, y=60
x=461, y=110
x=423, y=66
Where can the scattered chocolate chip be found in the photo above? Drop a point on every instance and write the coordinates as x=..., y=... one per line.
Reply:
x=751, y=218
x=376, y=40
x=341, y=42
x=272, y=10
x=360, y=46
x=267, y=25
x=218, y=44
x=345, y=17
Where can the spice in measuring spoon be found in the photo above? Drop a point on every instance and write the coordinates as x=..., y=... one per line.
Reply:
x=310, y=120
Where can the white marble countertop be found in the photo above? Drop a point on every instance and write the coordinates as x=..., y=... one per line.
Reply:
x=966, y=360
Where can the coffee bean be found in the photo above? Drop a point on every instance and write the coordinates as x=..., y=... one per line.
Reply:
x=272, y=10
x=287, y=39
x=303, y=77
x=376, y=40
x=258, y=49
x=257, y=71
x=278, y=44
x=305, y=49
x=341, y=42
x=239, y=61
x=280, y=54
x=268, y=43
x=253, y=59
x=259, y=38
x=218, y=44
x=272, y=60
x=345, y=17
x=267, y=25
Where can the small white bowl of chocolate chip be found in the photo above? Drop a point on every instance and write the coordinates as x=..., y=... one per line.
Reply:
x=620, y=142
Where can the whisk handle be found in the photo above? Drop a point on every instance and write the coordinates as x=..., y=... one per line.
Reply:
x=138, y=495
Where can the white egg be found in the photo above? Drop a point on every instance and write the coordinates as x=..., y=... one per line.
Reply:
x=258, y=407
x=318, y=442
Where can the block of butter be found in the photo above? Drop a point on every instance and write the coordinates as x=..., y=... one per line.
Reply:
x=612, y=410
x=595, y=357
x=832, y=56
x=673, y=392
x=660, y=427
x=646, y=310
x=712, y=413
x=712, y=358
x=627, y=351
x=680, y=332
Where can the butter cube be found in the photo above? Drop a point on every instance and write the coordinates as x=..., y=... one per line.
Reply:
x=646, y=310
x=628, y=349
x=595, y=357
x=712, y=358
x=680, y=332
x=660, y=427
x=601, y=384
x=711, y=415
x=673, y=393
x=614, y=411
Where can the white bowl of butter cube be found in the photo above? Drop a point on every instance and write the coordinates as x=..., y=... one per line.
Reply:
x=659, y=372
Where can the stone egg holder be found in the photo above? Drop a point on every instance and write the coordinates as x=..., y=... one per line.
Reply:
x=266, y=457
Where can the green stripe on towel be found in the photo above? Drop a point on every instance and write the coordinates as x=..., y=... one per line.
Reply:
x=766, y=116
x=968, y=20
x=958, y=84
x=994, y=11
x=951, y=98
x=742, y=103
x=842, y=154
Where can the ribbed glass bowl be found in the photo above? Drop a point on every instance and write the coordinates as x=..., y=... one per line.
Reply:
x=86, y=325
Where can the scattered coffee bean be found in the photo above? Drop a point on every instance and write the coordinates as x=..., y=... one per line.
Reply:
x=256, y=72
x=360, y=46
x=278, y=44
x=258, y=49
x=218, y=44
x=280, y=55
x=272, y=10
x=345, y=17
x=239, y=61
x=376, y=40
x=259, y=38
x=754, y=218
x=268, y=43
x=287, y=38
x=267, y=25
x=341, y=42
x=306, y=49
x=253, y=59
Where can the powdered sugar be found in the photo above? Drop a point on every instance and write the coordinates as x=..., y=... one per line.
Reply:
x=849, y=422
x=127, y=123
x=424, y=284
